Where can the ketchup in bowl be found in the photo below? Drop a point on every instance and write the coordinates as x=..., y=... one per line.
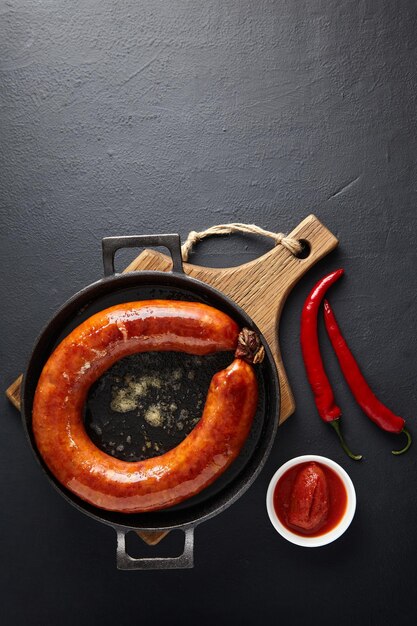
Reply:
x=310, y=499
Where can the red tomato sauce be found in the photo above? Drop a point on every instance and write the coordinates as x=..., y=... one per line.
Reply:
x=337, y=499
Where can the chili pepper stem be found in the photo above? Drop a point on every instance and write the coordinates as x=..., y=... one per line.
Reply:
x=408, y=444
x=336, y=426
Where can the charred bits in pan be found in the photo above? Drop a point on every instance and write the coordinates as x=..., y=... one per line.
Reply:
x=148, y=403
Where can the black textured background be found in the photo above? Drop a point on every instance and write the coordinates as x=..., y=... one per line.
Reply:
x=139, y=117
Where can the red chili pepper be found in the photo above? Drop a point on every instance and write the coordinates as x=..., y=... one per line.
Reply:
x=317, y=377
x=363, y=394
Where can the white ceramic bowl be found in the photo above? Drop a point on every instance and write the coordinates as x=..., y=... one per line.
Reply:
x=334, y=533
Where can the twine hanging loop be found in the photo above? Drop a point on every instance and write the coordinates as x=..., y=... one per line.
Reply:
x=290, y=243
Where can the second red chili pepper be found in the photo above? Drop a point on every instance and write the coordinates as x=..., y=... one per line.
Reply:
x=363, y=394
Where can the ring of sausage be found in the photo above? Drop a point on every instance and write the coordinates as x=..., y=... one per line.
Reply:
x=89, y=350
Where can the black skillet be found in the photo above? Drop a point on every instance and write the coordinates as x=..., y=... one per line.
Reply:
x=116, y=288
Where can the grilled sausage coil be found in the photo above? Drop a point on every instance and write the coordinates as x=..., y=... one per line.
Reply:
x=94, y=346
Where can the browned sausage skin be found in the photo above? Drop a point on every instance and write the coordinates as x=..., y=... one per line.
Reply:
x=91, y=349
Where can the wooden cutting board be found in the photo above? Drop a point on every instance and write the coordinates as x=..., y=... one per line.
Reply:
x=260, y=287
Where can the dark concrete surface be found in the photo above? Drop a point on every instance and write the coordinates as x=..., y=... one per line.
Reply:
x=139, y=117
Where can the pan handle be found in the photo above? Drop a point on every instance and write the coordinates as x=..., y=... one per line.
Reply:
x=184, y=561
x=112, y=244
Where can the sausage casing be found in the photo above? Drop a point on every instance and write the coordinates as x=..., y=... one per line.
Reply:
x=88, y=351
